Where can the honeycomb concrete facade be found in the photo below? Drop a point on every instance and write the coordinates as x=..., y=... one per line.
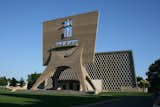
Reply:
x=116, y=69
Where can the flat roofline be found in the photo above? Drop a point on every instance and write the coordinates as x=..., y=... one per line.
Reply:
x=71, y=16
x=119, y=51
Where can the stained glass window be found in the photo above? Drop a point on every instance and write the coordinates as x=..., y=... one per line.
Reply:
x=68, y=28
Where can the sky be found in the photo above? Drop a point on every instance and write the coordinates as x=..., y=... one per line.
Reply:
x=123, y=25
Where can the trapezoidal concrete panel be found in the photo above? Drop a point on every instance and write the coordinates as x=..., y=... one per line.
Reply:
x=84, y=30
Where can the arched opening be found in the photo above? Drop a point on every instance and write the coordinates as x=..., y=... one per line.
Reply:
x=65, y=79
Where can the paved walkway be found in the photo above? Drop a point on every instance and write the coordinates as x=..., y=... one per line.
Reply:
x=128, y=101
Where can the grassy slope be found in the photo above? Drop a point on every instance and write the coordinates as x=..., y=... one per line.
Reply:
x=8, y=99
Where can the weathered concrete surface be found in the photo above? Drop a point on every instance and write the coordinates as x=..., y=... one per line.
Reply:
x=58, y=59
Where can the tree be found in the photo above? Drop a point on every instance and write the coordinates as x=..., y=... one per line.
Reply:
x=21, y=82
x=154, y=76
x=142, y=83
x=13, y=82
x=139, y=79
x=32, y=79
x=3, y=81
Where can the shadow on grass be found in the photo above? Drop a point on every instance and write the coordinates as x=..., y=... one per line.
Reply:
x=52, y=100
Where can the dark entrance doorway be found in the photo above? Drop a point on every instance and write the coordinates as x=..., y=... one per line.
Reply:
x=69, y=85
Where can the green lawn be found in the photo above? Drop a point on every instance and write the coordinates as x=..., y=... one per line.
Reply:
x=41, y=99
